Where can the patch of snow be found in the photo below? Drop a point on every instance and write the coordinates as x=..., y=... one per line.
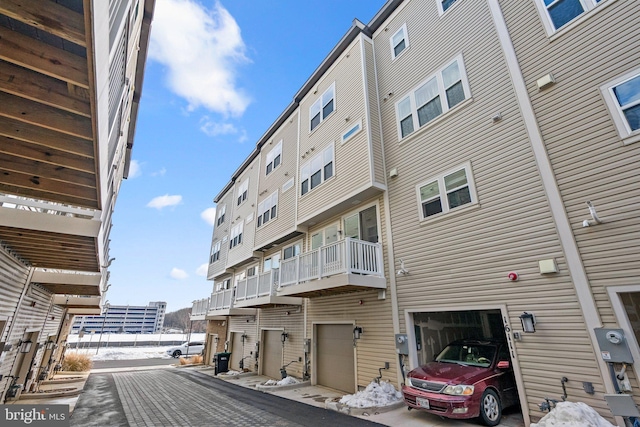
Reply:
x=573, y=414
x=374, y=395
x=231, y=372
x=285, y=381
x=133, y=338
x=123, y=353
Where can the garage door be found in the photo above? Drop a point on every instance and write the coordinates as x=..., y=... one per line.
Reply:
x=236, y=350
x=272, y=354
x=334, y=353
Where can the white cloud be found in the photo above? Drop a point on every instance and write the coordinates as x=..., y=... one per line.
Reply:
x=161, y=172
x=135, y=169
x=164, y=201
x=209, y=215
x=202, y=270
x=201, y=49
x=178, y=274
x=211, y=128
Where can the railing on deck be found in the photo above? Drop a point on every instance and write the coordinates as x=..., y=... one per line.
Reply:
x=257, y=286
x=200, y=307
x=345, y=256
x=221, y=300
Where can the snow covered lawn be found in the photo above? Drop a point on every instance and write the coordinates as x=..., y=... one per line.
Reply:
x=124, y=353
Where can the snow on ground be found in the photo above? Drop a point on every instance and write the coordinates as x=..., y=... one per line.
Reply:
x=231, y=372
x=284, y=381
x=375, y=394
x=124, y=353
x=573, y=414
x=132, y=338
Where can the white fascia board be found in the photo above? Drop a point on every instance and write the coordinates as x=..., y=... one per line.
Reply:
x=65, y=278
x=18, y=218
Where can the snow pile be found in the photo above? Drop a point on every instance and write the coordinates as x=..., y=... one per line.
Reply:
x=231, y=372
x=573, y=414
x=375, y=394
x=285, y=381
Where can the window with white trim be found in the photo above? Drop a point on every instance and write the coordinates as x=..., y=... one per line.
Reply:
x=242, y=191
x=446, y=192
x=317, y=170
x=215, y=252
x=444, y=5
x=622, y=96
x=236, y=235
x=221, y=211
x=274, y=158
x=353, y=130
x=268, y=209
x=291, y=251
x=270, y=263
x=433, y=97
x=252, y=271
x=287, y=185
x=399, y=41
x=561, y=12
x=224, y=285
x=321, y=109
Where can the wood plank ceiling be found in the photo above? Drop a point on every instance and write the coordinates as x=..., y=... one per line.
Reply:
x=47, y=144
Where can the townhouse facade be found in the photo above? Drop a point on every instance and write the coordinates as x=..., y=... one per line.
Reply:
x=451, y=170
x=70, y=85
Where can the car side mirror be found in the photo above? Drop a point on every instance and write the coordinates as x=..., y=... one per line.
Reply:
x=503, y=364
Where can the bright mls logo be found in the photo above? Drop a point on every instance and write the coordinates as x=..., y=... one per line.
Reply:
x=34, y=415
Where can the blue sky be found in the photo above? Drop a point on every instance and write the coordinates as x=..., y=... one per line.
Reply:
x=217, y=76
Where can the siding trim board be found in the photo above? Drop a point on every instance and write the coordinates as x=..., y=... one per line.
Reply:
x=547, y=177
x=367, y=108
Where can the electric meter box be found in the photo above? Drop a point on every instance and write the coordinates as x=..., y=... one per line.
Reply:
x=614, y=347
x=402, y=344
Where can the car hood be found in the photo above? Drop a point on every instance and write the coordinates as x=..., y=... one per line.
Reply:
x=450, y=373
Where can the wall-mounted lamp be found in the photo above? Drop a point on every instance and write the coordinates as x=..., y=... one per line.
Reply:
x=594, y=216
x=50, y=345
x=528, y=322
x=244, y=338
x=25, y=346
x=216, y=340
x=357, y=331
x=284, y=336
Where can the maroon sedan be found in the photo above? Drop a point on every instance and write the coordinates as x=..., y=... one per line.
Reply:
x=468, y=379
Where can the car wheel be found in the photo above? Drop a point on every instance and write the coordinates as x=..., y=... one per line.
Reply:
x=490, y=408
x=177, y=353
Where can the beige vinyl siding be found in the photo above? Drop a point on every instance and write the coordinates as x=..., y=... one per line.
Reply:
x=219, y=233
x=268, y=184
x=244, y=250
x=377, y=343
x=248, y=326
x=291, y=319
x=352, y=160
x=461, y=259
x=588, y=158
x=374, y=113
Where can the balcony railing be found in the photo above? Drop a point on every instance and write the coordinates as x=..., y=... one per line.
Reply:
x=345, y=256
x=221, y=300
x=257, y=286
x=200, y=307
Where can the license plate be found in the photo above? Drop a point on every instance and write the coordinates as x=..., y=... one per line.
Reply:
x=423, y=403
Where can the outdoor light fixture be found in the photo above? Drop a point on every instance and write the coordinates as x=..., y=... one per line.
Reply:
x=25, y=346
x=50, y=345
x=357, y=331
x=284, y=336
x=216, y=339
x=244, y=337
x=528, y=322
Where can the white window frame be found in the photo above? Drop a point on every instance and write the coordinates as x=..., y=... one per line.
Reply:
x=268, y=205
x=269, y=261
x=243, y=191
x=547, y=22
x=310, y=168
x=405, y=37
x=272, y=156
x=319, y=105
x=355, y=129
x=236, y=235
x=224, y=285
x=627, y=135
x=287, y=185
x=293, y=245
x=441, y=93
x=215, y=252
x=444, y=201
x=441, y=10
x=220, y=214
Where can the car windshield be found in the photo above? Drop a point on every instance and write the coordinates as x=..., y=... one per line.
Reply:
x=468, y=354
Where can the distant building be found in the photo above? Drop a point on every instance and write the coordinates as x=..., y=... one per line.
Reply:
x=124, y=319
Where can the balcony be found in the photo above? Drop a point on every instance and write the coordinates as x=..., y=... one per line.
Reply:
x=79, y=304
x=349, y=265
x=199, y=309
x=222, y=304
x=261, y=291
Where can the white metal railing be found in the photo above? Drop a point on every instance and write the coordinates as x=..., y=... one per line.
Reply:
x=221, y=300
x=41, y=206
x=257, y=286
x=200, y=307
x=345, y=256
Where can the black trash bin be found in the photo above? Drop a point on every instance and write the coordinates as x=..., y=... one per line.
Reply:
x=221, y=362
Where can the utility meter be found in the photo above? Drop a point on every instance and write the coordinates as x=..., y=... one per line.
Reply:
x=402, y=344
x=614, y=347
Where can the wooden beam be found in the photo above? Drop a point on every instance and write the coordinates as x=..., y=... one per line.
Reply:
x=44, y=89
x=52, y=197
x=44, y=116
x=47, y=185
x=44, y=137
x=46, y=170
x=47, y=16
x=60, y=159
x=43, y=58
x=36, y=237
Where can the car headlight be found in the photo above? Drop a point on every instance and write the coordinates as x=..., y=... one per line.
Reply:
x=459, y=390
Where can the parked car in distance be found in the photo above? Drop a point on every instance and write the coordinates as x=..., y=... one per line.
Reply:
x=468, y=379
x=190, y=348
